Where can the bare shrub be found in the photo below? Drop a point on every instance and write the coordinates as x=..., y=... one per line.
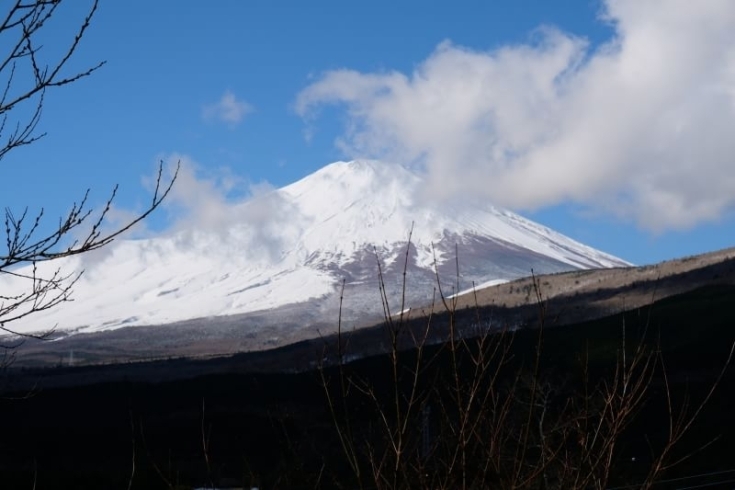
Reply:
x=480, y=412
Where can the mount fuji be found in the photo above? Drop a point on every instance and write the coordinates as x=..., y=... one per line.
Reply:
x=276, y=263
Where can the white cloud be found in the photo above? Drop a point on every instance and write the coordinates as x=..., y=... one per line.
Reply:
x=220, y=212
x=228, y=109
x=640, y=127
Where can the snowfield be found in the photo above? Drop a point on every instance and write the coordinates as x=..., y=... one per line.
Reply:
x=292, y=245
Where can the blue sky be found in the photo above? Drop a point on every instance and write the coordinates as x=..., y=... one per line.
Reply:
x=606, y=121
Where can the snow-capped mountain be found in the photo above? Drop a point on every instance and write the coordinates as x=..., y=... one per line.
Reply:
x=292, y=248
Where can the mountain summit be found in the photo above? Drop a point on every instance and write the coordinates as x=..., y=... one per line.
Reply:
x=358, y=203
x=288, y=251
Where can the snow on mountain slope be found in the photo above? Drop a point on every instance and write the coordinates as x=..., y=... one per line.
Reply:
x=295, y=245
x=369, y=202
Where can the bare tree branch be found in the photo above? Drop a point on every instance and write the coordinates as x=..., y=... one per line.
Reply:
x=27, y=73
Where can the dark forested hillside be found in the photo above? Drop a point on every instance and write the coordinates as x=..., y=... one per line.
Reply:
x=277, y=430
